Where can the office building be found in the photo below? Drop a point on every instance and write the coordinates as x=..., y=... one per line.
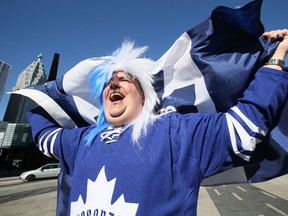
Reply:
x=5, y=70
x=16, y=147
x=18, y=105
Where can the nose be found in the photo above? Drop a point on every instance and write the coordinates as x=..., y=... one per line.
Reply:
x=114, y=84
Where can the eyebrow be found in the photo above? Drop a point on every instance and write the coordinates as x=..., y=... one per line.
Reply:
x=127, y=75
x=121, y=77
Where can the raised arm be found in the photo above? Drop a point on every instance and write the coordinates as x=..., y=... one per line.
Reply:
x=255, y=114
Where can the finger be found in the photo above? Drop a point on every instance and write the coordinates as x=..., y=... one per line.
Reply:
x=270, y=35
x=275, y=34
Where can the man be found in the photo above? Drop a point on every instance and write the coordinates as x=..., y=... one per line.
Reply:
x=133, y=162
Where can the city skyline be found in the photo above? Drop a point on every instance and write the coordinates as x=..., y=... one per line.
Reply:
x=16, y=144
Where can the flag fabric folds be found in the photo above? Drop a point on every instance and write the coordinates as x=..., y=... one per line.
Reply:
x=205, y=70
x=209, y=67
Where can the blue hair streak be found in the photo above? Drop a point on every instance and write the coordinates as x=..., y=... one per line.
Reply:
x=97, y=80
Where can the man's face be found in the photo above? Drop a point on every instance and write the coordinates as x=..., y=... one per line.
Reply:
x=123, y=99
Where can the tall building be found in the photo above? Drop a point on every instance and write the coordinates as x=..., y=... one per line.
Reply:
x=16, y=144
x=18, y=105
x=4, y=74
x=34, y=74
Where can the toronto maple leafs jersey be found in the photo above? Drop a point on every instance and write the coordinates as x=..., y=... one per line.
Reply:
x=161, y=174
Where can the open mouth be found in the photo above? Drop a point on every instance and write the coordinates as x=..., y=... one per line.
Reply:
x=116, y=96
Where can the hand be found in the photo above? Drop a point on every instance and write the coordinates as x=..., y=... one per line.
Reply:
x=282, y=48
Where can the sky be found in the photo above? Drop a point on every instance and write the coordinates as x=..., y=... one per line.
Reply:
x=78, y=30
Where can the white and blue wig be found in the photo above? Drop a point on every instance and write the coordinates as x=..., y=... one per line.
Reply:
x=126, y=58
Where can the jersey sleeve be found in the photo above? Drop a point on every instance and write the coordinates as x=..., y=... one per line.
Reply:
x=220, y=141
x=257, y=111
x=53, y=140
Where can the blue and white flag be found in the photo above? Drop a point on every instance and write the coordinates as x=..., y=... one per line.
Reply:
x=206, y=70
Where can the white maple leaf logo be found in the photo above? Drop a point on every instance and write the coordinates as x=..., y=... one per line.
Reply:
x=98, y=199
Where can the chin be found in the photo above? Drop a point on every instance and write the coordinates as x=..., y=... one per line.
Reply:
x=117, y=122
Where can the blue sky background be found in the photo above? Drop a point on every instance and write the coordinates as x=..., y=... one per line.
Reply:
x=81, y=29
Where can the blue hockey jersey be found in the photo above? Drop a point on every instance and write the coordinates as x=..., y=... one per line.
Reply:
x=161, y=174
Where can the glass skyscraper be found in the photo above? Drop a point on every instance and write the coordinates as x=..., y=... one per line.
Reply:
x=18, y=105
x=16, y=145
x=4, y=74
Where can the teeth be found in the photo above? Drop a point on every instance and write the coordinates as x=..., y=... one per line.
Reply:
x=116, y=96
x=113, y=94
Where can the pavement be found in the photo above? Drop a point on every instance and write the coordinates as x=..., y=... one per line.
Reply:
x=25, y=200
x=277, y=187
x=3, y=179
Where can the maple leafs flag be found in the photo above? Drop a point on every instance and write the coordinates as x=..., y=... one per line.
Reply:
x=205, y=70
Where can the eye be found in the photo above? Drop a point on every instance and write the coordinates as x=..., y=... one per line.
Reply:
x=126, y=80
x=107, y=83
